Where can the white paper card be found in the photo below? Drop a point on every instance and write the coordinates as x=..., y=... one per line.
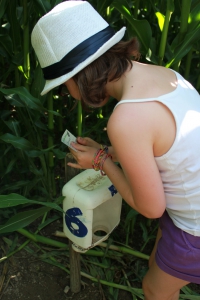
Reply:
x=67, y=138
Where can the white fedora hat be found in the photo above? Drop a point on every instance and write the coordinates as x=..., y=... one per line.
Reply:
x=69, y=38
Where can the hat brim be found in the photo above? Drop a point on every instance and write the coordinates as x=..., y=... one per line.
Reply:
x=50, y=84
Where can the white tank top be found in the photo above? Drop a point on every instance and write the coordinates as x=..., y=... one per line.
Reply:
x=180, y=166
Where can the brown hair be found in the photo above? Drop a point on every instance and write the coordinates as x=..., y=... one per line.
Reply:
x=92, y=80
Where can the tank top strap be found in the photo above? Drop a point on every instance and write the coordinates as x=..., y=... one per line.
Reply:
x=134, y=100
x=160, y=98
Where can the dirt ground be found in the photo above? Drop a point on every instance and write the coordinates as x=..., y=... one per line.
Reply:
x=29, y=280
x=26, y=277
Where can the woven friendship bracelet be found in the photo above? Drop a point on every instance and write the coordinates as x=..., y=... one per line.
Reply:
x=99, y=158
x=105, y=148
x=102, y=162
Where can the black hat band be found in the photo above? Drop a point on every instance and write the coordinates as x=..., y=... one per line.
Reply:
x=79, y=54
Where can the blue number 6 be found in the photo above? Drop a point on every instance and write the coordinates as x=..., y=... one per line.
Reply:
x=70, y=218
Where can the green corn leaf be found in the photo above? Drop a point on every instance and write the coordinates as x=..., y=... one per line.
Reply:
x=14, y=126
x=54, y=113
x=10, y=166
x=7, y=241
x=193, y=24
x=42, y=6
x=38, y=153
x=93, y=271
x=34, y=153
x=23, y=219
x=140, y=28
x=187, y=291
x=12, y=244
x=189, y=297
x=6, y=44
x=59, y=154
x=32, y=184
x=16, y=199
x=102, y=5
x=13, y=186
x=145, y=233
x=194, y=17
x=115, y=293
x=182, y=49
x=132, y=214
x=40, y=125
x=47, y=222
x=26, y=99
x=35, y=170
x=17, y=142
x=15, y=100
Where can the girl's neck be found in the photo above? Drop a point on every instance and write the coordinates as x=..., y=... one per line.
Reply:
x=117, y=88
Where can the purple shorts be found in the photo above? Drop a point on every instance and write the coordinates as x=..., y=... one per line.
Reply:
x=178, y=252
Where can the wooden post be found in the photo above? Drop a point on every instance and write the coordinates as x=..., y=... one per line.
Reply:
x=74, y=257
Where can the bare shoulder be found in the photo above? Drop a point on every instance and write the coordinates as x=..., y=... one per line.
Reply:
x=133, y=118
x=146, y=122
x=131, y=130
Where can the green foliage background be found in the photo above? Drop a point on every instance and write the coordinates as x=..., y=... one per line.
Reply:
x=31, y=153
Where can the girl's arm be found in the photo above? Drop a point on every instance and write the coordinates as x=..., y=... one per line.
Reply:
x=132, y=135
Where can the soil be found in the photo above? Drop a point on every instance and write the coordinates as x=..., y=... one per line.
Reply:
x=24, y=276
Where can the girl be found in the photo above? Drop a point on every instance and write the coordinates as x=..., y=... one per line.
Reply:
x=154, y=131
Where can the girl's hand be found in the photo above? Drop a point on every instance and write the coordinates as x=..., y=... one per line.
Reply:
x=86, y=141
x=84, y=155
